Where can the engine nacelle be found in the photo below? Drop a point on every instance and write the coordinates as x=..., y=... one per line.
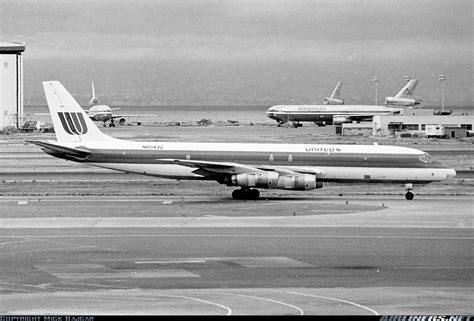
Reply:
x=301, y=182
x=402, y=101
x=337, y=120
x=259, y=179
x=122, y=121
x=333, y=101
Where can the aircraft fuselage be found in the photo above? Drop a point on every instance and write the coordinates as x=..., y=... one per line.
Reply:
x=330, y=163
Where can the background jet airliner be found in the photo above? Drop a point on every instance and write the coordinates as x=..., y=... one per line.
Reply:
x=249, y=166
x=335, y=98
x=104, y=113
x=328, y=114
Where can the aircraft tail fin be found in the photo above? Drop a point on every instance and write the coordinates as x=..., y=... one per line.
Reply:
x=94, y=100
x=408, y=90
x=335, y=98
x=70, y=121
x=337, y=90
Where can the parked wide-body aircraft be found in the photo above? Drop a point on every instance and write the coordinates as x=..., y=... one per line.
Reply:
x=328, y=114
x=249, y=166
x=104, y=113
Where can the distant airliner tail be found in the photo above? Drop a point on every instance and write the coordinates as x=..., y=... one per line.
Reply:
x=70, y=122
x=337, y=90
x=408, y=90
x=94, y=100
x=335, y=98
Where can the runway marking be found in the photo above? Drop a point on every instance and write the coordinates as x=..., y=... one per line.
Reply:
x=248, y=262
x=171, y=262
x=335, y=299
x=22, y=202
x=229, y=310
x=42, y=250
x=15, y=242
x=99, y=271
x=274, y=301
x=84, y=246
x=250, y=236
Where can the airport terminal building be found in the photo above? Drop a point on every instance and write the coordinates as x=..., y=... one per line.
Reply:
x=11, y=84
x=413, y=123
x=423, y=123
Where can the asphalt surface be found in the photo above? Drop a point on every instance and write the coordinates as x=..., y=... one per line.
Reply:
x=106, y=255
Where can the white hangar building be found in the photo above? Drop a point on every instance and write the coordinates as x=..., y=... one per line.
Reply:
x=11, y=84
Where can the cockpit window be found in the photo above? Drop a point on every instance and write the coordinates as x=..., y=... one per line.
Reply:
x=425, y=158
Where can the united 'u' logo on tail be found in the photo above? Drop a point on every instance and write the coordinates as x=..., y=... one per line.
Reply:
x=73, y=123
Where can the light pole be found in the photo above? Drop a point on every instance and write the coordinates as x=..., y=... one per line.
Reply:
x=375, y=80
x=442, y=78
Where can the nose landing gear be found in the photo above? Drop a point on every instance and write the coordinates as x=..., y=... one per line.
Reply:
x=409, y=195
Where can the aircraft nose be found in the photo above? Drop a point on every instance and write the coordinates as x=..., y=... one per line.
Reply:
x=451, y=173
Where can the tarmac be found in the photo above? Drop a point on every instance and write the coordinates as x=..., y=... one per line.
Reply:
x=78, y=240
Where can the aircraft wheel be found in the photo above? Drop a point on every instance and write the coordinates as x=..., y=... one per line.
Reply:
x=253, y=194
x=409, y=196
x=237, y=194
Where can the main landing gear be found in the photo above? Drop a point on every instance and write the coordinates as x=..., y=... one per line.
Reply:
x=246, y=194
x=409, y=195
x=112, y=123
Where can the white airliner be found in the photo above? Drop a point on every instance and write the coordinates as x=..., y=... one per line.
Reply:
x=335, y=98
x=329, y=114
x=249, y=166
x=102, y=113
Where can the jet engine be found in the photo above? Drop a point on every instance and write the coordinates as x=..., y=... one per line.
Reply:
x=259, y=179
x=122, y=121
x=333, y=101
x=300, y=182
x=402, y=101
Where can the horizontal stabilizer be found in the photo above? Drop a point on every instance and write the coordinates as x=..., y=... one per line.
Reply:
x=71, y=151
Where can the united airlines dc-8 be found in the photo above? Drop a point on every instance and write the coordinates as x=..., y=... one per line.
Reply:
x=248, y=166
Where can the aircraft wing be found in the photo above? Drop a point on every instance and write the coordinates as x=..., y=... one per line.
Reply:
x=216, y=169
x=120, y=116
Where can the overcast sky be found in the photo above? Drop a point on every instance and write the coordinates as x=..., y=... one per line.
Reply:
x=243, y=52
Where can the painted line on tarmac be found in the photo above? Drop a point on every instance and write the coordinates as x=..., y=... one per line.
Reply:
x=335, y=299
x=171, y=262
x=401, y=237
x=274, y=301
x=229, y=310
